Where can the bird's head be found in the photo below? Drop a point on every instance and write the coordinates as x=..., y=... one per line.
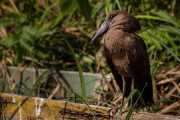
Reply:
x=119, y=20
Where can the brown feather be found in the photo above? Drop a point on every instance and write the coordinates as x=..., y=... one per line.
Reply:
x=126, y=54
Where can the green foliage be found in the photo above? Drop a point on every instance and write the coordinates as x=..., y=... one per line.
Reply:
x=80, y=71
x=32, y=31
x=164, y=37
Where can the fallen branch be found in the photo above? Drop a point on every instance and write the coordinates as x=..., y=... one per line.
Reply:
x=21, y=107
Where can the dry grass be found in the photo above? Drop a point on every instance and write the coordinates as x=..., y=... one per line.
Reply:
x=167, y=85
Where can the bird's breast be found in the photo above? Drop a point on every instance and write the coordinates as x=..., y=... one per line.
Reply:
x=116, y=40
x=119, y=47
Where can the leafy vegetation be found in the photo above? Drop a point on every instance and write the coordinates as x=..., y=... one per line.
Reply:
x=32, y=33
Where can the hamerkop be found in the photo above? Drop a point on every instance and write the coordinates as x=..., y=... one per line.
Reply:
x=126, y=55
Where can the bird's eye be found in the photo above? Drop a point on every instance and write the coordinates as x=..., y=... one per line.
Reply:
x=111, y=16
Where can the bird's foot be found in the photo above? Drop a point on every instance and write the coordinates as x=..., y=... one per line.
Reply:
x=115, y=110
x=129, y=109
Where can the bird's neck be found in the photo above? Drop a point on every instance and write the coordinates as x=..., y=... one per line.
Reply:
x=114, y=37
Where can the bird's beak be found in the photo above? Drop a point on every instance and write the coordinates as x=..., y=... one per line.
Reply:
x=104, y=27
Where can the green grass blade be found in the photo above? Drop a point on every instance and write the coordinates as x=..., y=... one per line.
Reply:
x=132, y=109
x=85, y=9
x=79, y=69
x=94, y=117
x=118, y=4
x=34, y=87
x=166, y=47
x=128, y=99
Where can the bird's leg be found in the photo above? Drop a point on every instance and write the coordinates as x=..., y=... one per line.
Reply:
x=124, y=90
x=114, y=111
x=132, y=88
x=131, y=103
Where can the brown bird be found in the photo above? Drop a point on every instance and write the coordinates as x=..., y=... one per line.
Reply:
x=126, y=55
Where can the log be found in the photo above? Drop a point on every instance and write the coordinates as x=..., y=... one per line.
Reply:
x=16, y=107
